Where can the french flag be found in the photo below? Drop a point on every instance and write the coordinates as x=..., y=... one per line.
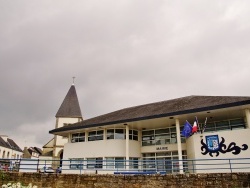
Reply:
x=195, y=126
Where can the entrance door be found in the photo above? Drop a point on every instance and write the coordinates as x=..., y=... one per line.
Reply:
x=164, y=164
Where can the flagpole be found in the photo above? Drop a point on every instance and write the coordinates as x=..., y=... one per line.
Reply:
x=197, y=123
x=204, y=127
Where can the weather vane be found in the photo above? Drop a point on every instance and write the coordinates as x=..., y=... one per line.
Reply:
x=73, y=79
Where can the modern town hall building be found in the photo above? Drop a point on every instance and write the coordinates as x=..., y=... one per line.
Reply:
x=149, y=137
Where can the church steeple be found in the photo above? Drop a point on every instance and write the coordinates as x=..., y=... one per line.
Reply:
x=70, y=106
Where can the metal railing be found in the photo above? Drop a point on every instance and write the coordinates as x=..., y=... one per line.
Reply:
x=161, y=166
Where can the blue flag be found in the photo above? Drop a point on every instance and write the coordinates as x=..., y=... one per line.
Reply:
x=187, y=130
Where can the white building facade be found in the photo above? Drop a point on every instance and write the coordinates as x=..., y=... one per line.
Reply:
x=10, y=153
x=148, y=138
x=9, y=149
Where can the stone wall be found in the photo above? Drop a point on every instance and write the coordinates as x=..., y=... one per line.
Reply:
x=227, y=180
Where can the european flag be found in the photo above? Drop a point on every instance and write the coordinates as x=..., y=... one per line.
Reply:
x=187, y=130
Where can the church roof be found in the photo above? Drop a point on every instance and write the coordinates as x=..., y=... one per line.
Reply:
x=179, y=106
x=70, y=106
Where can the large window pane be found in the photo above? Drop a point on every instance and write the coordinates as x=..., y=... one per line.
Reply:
x=119, y=162
x=78, y=137
x=119, y=134
x=222, y=125
x=110, y=134
x=93, y=163
x=150, y=132
x=110, y=162
x=161, y=131
x=95, y=135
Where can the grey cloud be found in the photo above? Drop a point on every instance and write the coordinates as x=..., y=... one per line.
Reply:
x=123, y=53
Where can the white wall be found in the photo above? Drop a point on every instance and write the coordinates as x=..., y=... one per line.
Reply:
x=12, y=153
x=101, y=148
x=60, y=141
x=167, y=147
x=240, y=136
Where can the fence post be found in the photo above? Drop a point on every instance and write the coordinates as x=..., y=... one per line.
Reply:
x=230, y=165
x=80, y=167
x=193, y=165
x=37, y=166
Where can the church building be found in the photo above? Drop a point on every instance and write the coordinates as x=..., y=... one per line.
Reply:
x=68, y=113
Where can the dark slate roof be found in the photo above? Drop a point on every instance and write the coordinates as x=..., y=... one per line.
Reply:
x=3, y=143
x=70, y=106
x=166, y=108
x=35, y=149
x=14, y=145
x=38, y=150
x=10, y=144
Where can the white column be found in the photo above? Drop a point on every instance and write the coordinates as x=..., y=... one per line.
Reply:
x=104, y=165
x=127, y=147
x=178, y=135
x=247, y=112
x=104, y=134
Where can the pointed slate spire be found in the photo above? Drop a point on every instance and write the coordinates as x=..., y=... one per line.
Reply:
x=70, y=106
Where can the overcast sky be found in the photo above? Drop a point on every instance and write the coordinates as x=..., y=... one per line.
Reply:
x=122, y=52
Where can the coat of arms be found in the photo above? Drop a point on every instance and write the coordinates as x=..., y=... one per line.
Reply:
x=214, y=146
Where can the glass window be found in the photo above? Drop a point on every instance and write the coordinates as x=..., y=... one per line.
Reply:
x=163, y=161
x=119, y=133
x=116, y=134
x=162, y=131
x=148, y=138
x=150, y=132
x=133, y=163
x=210, y=127
x=115, y=162
x=94, y=163
x=76, y=163
x=110, y=134
x=133, y=135
x=78, y=137
x=110, y=163
x=95, y=135
x=149, y=164
x=148, y=143
x=119, y=162
x=237, y=123
x=159, y=137
x=173, y=130
x=162, y=139
x=222, y=125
